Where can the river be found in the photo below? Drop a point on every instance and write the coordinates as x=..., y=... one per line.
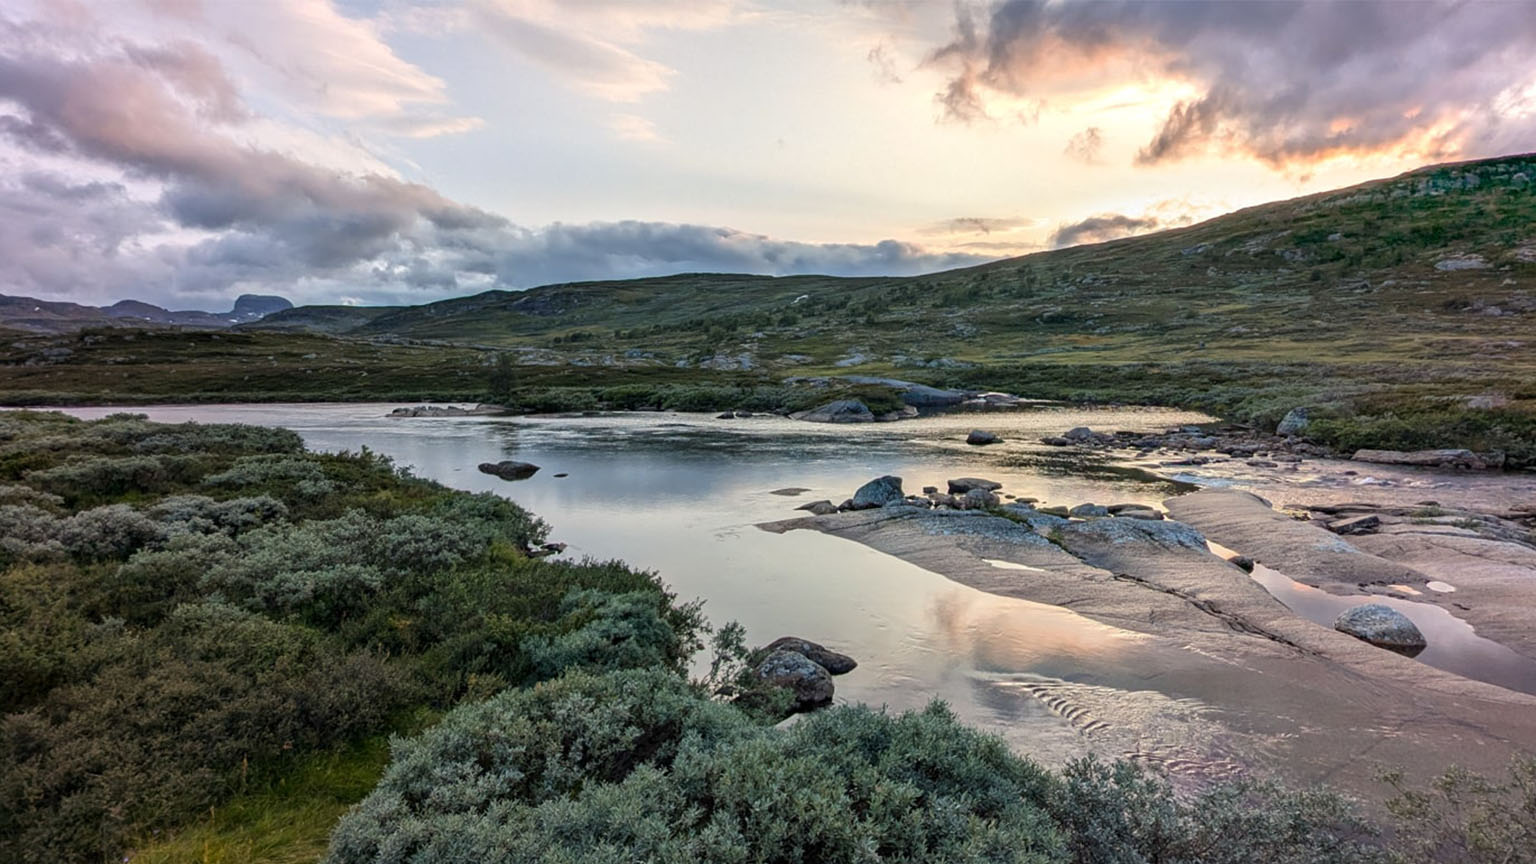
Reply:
x=681, y=494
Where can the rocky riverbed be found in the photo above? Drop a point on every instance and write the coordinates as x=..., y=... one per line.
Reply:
x=1236, y=681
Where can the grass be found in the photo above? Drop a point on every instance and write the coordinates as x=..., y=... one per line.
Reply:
x=288, y=821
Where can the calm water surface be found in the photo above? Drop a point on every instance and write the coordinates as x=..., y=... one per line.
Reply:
x=681, y=494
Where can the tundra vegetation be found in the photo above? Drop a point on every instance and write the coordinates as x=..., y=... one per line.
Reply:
x=216, y=646
x=1399, y=311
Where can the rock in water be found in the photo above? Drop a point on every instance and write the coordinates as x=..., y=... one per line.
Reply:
x=962, y=485
x=1089, y=511
x=1381, y=625
x=509, y=470
x=841, y=411
x=833, y=662
x=1078, y=433
x=819, y=508
x=878, y=493
x=809, y=681
x=979, y=437
x=1294, y=423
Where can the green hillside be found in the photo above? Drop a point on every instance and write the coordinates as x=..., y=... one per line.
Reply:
x=1400, y=309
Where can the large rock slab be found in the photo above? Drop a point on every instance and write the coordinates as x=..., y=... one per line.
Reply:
x=1423, y=458
x=840, y=411
x=1304, y=551
x=1380, y=624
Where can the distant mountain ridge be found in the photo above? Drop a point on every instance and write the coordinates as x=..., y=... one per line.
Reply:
x=54, y=316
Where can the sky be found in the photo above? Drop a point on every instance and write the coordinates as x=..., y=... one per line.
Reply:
x=385, y=151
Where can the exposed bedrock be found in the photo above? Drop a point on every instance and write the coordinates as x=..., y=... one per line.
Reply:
x=1252, y=680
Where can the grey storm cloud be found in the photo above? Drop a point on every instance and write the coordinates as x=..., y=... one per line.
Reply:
x=1097, y=229
x=168, y=118
x=1281, y=80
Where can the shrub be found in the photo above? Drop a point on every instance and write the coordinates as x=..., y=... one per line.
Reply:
x=605, y=631
x=114, y=531
x=99, y=477
x=639, y=765
x=200, y=514
x=301, y=475
x=173, y=725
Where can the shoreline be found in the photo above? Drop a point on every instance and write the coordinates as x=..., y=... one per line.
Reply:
x=1258, y=687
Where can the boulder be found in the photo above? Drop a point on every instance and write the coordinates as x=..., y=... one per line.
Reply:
x=923, y=396
x=1242, y=562
x=1367, y=524
x=810, y=682
x=1138, y=513
x=833, y=662
x=1422, y=458
x=877, y=493
x=978, y=499
x=819, y=508
x=962, y=485
x=930, y=490
x=840, y=411
x=1054, y=441
x=726, y=415
x=509, y=469
x=1380, y=624
x=1295, y=422
x=1079, y=433
x=980, y=437
x=1088, y=511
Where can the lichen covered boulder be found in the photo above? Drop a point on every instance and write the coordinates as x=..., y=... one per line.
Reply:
x=1380, y=624
x=877, y=493
x=808, y=680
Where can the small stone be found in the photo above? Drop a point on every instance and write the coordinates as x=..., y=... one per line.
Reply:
x=1242, y=562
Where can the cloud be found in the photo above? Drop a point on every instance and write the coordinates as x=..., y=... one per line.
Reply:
x=1282, y=81
x=884, y=64
x=979, y=225
x=633, y=127
x=1097, y=229
x=148, y=179
x=592, y=45
x=1086, y=145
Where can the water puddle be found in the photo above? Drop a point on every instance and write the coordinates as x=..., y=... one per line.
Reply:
x=1453, y=645
x=1009, y=565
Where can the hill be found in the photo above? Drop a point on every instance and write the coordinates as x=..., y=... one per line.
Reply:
x=46, y=316
x=1400, y=310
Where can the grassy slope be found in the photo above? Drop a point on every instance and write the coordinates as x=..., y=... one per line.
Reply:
x=1332, y=300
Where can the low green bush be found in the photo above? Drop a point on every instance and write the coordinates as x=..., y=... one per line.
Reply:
x=641, y=766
